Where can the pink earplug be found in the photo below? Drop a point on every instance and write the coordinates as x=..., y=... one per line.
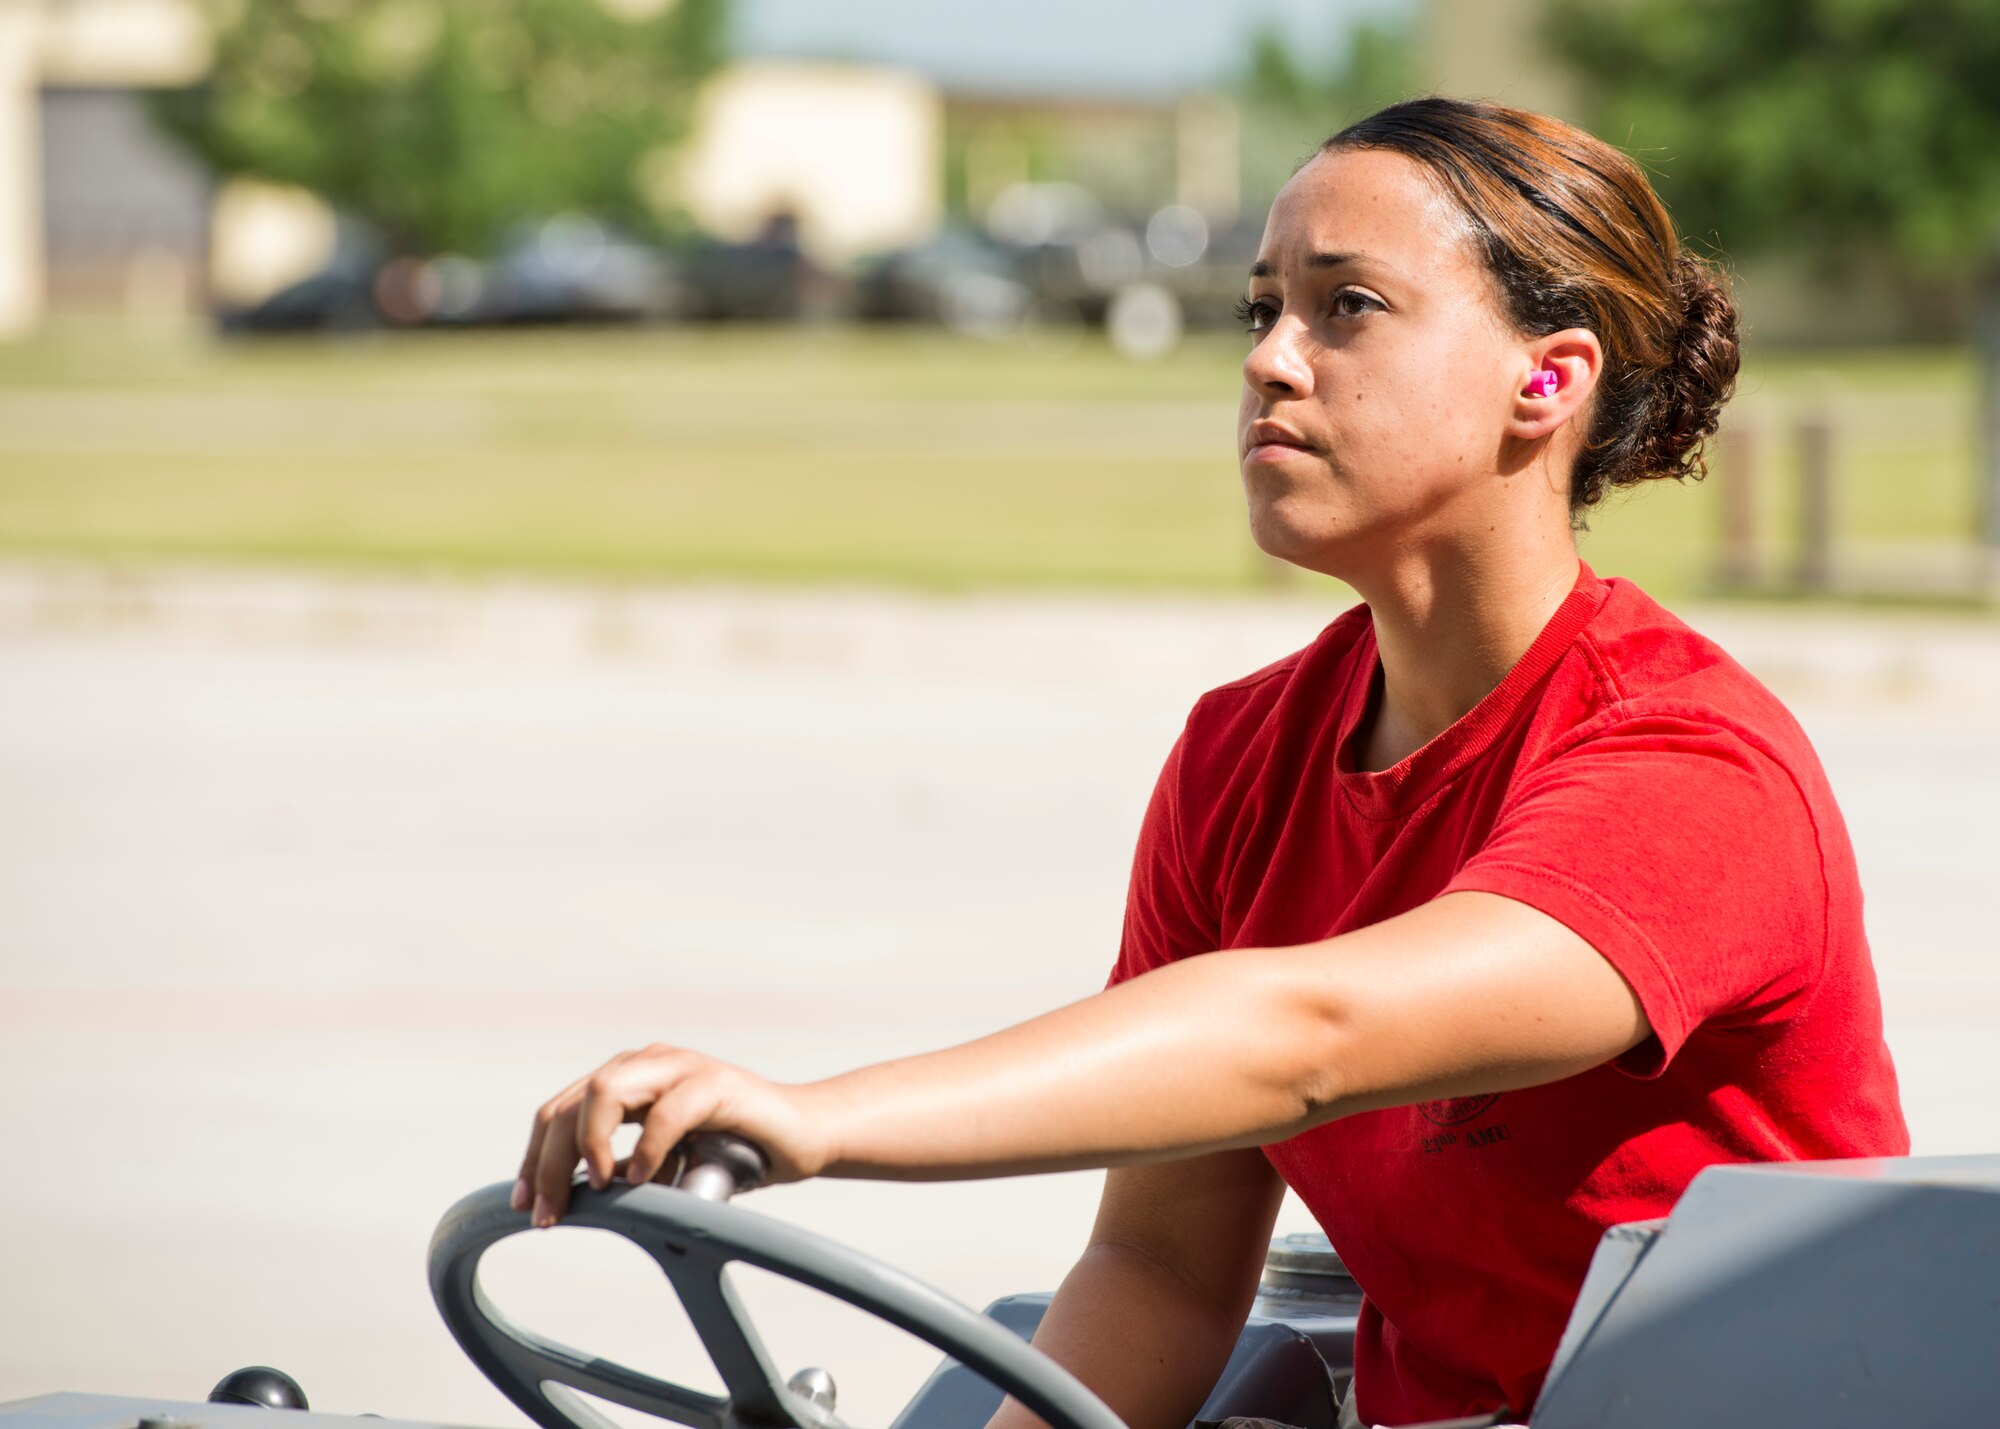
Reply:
x=1543, y=383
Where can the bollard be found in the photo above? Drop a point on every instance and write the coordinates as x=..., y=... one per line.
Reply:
x=1739, y=447
x=1815, y=436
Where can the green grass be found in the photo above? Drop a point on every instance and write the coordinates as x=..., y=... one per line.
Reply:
x=913, y=458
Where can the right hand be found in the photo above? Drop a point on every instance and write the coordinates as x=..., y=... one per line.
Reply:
x=671, y=1092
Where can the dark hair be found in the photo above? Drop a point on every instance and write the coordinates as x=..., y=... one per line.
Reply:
x=1576, y=237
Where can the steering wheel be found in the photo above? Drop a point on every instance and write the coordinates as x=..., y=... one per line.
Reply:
x=692, y=1233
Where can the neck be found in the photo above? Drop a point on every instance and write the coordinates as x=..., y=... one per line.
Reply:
x=1448, y=629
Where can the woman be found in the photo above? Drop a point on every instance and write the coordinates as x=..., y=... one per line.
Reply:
x=1536, y=903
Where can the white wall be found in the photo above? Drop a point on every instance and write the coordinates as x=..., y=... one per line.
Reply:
x=855, y=151
x=20, y=173
x=123, y=43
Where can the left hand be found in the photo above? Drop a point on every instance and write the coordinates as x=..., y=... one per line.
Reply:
x=671, y=1092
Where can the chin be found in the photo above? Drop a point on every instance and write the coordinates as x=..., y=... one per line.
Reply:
x=1319, y=545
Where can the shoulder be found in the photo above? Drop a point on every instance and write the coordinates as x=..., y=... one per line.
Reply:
x=1680, y=745
x=1644, y=665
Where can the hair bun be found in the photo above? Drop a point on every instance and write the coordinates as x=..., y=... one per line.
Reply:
x=1699, y=374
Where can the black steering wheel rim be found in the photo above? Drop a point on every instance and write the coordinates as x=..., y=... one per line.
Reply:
x=692, y=1240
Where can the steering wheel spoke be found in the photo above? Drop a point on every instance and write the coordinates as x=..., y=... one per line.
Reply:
x=536, y=1362
x=558, y=1365
x=754, y=1383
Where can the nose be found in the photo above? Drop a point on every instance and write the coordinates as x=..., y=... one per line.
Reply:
x=1277, y=365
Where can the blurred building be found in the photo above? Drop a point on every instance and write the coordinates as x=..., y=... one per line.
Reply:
x=100, y=211
x=94, y=207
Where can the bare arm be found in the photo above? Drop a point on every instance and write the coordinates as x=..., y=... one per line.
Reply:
x=1469, y=993
x=1149, y=1314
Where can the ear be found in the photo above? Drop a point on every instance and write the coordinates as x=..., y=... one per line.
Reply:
x=1576, y=360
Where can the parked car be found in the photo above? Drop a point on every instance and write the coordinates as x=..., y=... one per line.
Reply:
x=570, y=268
x=770, y=278
x=574, y=269
x=960, y=280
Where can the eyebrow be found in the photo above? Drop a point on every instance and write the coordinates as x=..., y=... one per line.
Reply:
x=1263, y=268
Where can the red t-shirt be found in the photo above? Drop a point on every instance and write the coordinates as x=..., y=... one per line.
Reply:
x=1627, y=778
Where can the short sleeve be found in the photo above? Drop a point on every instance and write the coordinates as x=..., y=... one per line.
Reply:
x=1685, y=854
x=1166, y=917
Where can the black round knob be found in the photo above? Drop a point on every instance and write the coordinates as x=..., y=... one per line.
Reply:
x=259, y=1386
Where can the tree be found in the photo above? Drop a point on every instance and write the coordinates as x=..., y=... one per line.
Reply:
x=1291, y=103
x=442, y=121
x=1828, y=129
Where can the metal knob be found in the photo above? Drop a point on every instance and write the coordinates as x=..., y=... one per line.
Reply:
x=815, y=1384
x=719, y=1165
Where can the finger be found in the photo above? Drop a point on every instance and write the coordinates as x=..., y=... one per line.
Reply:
x=688, y=1106
x=538, y=1140
x=611, y=1097
x=551, y=1176
x=667, y=1172
x=523, y=1196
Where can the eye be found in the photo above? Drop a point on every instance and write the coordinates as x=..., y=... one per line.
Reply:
x=1254, y=314
x=1352, y=303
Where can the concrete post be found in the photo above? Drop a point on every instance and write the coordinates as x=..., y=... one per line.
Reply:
x=1816, y=478
x=1739, y=446
x=1986, y=319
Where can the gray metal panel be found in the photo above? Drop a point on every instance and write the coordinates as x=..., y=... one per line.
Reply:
x=1837, y=1295
x=108, y=1411
x=1618, y=1255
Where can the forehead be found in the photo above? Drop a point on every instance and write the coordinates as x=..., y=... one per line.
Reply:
x=1368, y=201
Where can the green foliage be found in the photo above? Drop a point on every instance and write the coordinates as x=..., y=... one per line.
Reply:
x=1292, y=99
x=441, y=121
x=1375, y=65
x=1829, y=128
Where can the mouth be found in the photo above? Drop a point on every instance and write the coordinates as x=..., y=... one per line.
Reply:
x=1275, y=451
x=1273, y=441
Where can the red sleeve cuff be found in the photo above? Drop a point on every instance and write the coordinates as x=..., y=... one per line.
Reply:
x=1617, y=939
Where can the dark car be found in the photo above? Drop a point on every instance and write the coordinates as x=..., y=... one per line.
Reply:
x=959, y=280
x=770, y=278
x=570, y=268
x=339, y=299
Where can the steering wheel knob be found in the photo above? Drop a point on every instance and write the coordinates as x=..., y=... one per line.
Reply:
x=719, y=1165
